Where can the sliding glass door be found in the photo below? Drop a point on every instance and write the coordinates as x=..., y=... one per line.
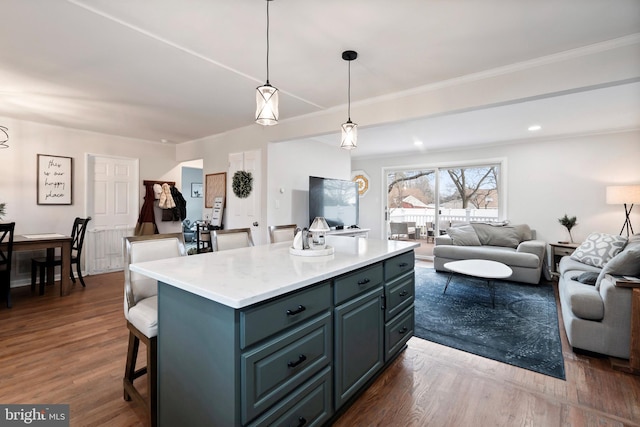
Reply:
x=423, y=203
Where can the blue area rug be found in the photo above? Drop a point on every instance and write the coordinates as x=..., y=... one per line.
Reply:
x=522, y=329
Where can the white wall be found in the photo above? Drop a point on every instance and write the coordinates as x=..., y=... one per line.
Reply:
x=544, y=179
x=19, y=169
x=289, y=166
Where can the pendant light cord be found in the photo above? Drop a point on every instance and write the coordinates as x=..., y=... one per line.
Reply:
x=268, y=41
x=349, y=93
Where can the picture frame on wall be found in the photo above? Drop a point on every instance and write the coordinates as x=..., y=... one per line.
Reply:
x=196, y=190
x=54, y=180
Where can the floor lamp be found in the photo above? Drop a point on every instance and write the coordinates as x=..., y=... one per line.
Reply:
x=625, y=195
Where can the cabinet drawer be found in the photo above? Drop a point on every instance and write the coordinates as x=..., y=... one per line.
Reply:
x=562, y=251
x=271, y=371
x=355, y=283
x=309, y=406
x=397, y=332
x=399, y=294
x=398, y=265
x=267, y=319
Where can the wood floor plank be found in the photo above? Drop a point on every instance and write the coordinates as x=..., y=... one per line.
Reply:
x=72, y=350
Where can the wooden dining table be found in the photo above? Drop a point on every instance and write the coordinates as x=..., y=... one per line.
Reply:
x=49, y=241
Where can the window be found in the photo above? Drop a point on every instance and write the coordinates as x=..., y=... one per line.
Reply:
x=437, y=198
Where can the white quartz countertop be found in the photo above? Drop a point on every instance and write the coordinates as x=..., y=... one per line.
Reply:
x=241, y=277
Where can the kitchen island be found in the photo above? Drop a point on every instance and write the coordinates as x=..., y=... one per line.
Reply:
x=257, y=336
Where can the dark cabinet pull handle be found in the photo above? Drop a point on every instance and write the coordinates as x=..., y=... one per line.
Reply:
x=403, y=264
x=403, y=294
x=299, y=310
x=403, y=330
x=301, y=421
x=301, y=359
x=363, y=281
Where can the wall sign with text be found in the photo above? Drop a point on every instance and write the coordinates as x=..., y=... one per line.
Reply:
x=55, y=180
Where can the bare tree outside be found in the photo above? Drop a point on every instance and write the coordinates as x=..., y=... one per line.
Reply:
x=476, y=186
x=402, y=184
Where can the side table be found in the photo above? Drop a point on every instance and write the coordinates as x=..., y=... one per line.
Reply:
x=633, y=366
x=557, y=251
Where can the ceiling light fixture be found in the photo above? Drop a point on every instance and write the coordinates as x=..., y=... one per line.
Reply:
x=349, y=129
x=534, y=128
x=267, y=95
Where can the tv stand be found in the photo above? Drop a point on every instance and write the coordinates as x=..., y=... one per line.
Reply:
x=351, y=232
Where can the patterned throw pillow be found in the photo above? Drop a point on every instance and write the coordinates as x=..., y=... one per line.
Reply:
x=598, y=249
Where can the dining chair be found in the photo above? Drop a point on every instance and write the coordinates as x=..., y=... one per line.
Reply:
x=231, y=239
x=141, y=312
x=282, y=233
x=77, y=242
x=6, y=252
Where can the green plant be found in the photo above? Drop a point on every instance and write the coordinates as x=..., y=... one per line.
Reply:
x=2, y=210
x=568, y=223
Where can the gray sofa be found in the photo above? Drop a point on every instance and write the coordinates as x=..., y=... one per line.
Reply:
x=597, y=314
x=513, y=245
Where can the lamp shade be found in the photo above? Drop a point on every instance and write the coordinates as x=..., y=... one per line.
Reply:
x=267, y=105
x=319, y=225
x=349, y=135
x=623, y=194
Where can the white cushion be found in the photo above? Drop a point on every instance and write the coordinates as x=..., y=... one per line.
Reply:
x=149, y=250
x=283, y=235
x=232, y=241
x=144, y=316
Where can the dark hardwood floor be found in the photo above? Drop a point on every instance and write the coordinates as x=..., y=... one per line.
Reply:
x=72, y=350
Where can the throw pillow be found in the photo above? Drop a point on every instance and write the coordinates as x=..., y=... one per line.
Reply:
x=634, y=240
x=598, y=249
x=464, y=235
x=524, y=231
x=588, y=278
x=626, y=263
x=506, y=235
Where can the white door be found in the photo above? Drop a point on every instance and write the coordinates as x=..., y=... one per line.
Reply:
x=113, y=194
x=245, y=212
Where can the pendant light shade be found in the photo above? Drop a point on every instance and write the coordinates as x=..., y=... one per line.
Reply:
x=267, y=105
x=4, y=136
x=266, y=95
x=349, y=135
x=349, y=139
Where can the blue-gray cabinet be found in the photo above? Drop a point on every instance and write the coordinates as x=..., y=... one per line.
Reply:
x=296, y=359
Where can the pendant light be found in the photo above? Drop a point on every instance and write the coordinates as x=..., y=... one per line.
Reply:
x=4, y=136
x=267, y=95
x=349, y=129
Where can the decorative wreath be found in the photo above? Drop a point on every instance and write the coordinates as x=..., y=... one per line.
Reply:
x=242, y=184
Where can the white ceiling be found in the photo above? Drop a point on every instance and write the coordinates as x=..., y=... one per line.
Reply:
x=181, y=70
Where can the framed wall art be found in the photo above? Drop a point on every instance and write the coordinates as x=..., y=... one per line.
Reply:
x=196, y=189
x=55, y=180
x=215, y=185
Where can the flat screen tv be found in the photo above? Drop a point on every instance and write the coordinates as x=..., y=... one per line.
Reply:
x=334, y=199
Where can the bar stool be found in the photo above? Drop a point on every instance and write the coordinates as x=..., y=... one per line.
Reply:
x=141, y=312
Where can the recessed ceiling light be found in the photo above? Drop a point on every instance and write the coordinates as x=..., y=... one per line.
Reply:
x=418, y=143
x=534, y=128
x=164, y=141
